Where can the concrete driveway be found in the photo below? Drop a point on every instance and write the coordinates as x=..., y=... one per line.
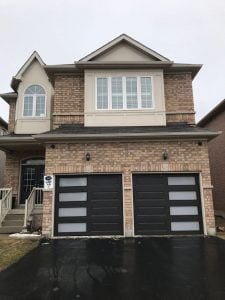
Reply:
x=145, y=269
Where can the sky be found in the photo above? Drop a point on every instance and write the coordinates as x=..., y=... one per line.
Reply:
x=185, y=31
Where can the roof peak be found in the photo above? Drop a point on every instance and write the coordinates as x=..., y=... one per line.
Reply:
x=131, y=41
x=17, y=78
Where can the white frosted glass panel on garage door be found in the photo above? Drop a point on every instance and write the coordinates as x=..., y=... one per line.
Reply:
x=64, y=197
x=72, y=227
x=183, y=210
x=73, y=212
x=73, y=181
x=185, y=226
x=186, y=195
x=181, y=180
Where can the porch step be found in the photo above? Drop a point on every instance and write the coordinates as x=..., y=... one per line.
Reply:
x=9, y=223
x=13, y=221
x=16, y=211
x=16, y=217
x=11, y=229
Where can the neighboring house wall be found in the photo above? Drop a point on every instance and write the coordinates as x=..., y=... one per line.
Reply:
x=2, y=167
x=2, y=158
x=128, y=158
x=217, y=159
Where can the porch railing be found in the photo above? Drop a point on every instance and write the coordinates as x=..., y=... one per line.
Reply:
x=35, y=199
x=5, y=203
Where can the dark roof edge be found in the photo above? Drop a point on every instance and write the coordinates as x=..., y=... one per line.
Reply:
x=214, y=112
x=169, y=66
x=166, y=135
x=9, y=96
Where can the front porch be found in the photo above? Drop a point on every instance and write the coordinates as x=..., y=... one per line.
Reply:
x=22, y=196
x=25, y=217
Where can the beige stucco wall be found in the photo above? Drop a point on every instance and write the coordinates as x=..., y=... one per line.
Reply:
x=123, y=52
x=35, y=74
x=147, y=117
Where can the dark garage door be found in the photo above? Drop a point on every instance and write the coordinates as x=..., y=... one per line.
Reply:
x=88, y=205
x=166, y=204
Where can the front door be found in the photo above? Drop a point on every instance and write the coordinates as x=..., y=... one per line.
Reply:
x=32, y=175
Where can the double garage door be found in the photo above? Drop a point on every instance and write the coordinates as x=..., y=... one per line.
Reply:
x=92, y=205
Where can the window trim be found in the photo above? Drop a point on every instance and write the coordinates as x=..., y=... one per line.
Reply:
x=34, y=102
x=109, y=80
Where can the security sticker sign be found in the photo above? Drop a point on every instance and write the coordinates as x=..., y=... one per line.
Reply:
x=48, y=182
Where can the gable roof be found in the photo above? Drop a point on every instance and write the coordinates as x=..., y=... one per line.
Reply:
x=212, y=114
x=17, y=78
x=132, y=42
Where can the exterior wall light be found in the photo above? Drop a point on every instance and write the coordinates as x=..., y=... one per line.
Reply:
x=88, y=156
x=165, y=155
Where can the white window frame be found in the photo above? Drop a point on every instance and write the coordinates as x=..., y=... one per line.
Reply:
x=34, y=96
x=124, y=93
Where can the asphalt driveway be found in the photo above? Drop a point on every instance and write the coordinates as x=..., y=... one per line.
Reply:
x=145, y=269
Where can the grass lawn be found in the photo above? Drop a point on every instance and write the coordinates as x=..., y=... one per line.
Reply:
x=12, y=250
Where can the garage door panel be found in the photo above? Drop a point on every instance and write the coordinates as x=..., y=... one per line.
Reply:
x=72, y=204
x=105, y=210
x=150, y=202
x=152, y=219
x=103, y=195
x=113, y=228
x=171, y=207
x=105, y=219
x=154, y=179
x=105, y=203
x=151, y=211
x=96, y=205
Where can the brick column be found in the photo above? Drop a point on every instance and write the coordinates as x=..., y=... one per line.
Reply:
x=47, y=221
x=128, y=203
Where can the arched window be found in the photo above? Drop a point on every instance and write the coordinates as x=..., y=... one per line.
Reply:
x=34, y=101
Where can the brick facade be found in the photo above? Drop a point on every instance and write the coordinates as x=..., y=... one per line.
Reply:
x=128, y=158
x=12, y=115
x=179, y=98
x=68, y=105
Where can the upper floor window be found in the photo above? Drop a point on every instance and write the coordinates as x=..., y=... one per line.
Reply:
x=133, y=92
x=34, y=101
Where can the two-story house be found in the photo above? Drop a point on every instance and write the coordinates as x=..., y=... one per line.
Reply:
x=116, y=132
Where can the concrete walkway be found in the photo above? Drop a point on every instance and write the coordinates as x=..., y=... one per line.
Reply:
x=134, y=269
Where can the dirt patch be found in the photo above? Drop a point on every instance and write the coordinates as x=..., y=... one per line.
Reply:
x=13, y=250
